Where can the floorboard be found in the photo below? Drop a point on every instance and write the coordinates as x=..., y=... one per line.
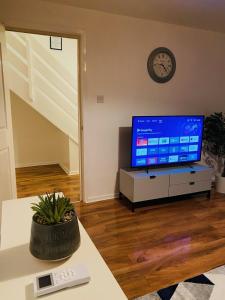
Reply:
x=38, y=180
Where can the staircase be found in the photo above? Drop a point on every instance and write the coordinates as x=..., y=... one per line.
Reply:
x=42, y=82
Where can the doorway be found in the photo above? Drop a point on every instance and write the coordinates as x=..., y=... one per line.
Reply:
x=46, y=112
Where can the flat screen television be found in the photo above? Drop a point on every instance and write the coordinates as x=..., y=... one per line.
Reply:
x=166, y=140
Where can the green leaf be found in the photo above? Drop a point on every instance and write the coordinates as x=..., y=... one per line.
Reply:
x=52, y=207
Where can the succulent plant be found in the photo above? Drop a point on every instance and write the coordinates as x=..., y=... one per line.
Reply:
x=52, y=209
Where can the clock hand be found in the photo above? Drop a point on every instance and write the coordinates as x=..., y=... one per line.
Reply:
x=164, y=67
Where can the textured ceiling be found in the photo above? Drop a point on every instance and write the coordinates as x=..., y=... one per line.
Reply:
x=206, y=14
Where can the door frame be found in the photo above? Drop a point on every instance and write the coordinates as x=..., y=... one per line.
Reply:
x=80, y=37
x=6, y=129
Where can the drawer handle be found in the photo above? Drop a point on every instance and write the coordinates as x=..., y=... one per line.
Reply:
x=152, y=177
x=192, y=183
x=193, y=172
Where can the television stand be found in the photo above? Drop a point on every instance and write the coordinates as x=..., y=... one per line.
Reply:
x=138, y=185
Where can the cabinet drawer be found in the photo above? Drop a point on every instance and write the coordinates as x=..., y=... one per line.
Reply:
x=188, y=188
x=150, y=187
x=187, y=177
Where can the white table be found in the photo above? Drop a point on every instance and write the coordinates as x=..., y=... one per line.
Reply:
x=18, y=266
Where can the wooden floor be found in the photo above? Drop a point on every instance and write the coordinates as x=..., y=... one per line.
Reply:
x=155, y=246
x=41, y=179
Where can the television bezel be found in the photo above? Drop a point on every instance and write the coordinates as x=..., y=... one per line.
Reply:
x=168, y=164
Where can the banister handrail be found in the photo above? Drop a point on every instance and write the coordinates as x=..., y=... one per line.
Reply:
x=60, y=94
x=73, y=90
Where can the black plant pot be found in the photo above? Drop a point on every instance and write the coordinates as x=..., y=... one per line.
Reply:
x=53, y=242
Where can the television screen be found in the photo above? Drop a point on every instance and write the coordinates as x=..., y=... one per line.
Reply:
x=165, y=140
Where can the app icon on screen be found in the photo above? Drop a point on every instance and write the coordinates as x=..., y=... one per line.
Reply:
x=153, y=141
x=142, y=142
x=184, y=139
x=194, y=139
x=141, y=162
x=174, y=149
x=141, y=152
x=152, y=160
x=183, y=157
x=164, y=141
x=173, y=158
x=163, y=150
x=175, y=140
x=183, y=149
x=153, y=151
x=193, y=148
x=163, y=159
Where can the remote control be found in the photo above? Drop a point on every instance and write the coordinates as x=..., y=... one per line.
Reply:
x=60, y=279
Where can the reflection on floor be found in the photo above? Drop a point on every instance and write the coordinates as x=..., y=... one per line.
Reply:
x=38, y=180
x=154, y=247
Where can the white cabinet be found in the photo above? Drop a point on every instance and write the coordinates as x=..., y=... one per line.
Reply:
x=189, y=188
x=142, y=185
x=150, y=188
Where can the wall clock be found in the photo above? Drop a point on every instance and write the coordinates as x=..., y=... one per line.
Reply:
x=161, y=65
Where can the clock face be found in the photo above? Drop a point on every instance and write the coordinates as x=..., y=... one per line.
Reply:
x=161, y=65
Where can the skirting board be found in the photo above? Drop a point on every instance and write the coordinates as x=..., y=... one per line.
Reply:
x=68, y=172
x=102, y=197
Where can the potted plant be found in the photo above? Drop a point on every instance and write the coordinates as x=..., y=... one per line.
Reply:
x=55, y=231
x=214, y=145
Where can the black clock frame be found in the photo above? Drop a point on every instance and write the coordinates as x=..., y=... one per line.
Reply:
x=150, y=68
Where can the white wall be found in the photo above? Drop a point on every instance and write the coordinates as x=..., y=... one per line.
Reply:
x=67, y=57
x=36, y=140
x=117, y=51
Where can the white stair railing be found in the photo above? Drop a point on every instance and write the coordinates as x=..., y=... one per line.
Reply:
x=43, y=82
x=29, y=65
